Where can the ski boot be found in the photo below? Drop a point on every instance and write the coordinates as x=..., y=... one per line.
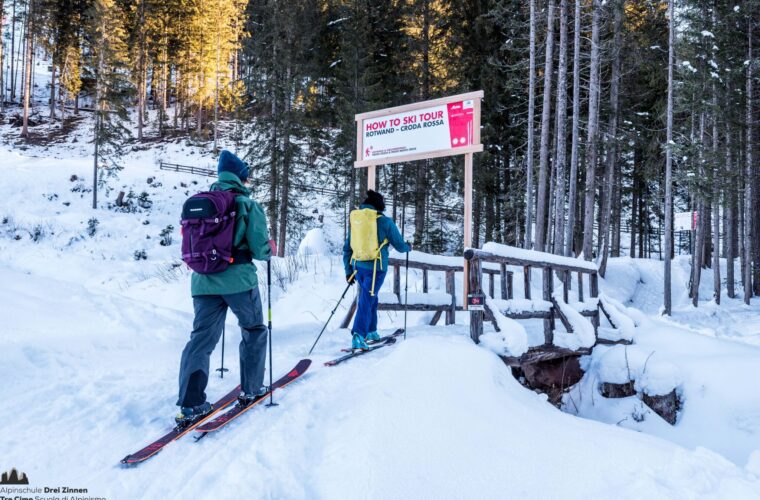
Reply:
x=188, y=415
x=244, y=399
x=371, y=338
x=358, y=343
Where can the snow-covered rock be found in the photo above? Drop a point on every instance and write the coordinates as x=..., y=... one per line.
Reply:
x=314, y=243
x=511, y=340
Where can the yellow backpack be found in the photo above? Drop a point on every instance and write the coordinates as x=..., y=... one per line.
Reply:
x=364, y=243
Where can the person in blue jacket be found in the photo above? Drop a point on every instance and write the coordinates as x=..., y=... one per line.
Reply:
x=365, y=323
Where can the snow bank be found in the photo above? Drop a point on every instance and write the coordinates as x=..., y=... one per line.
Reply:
x=583, y=331
x=521, y=305
x=589, y=304
x=623, y=323
x=427, y=258
x=423, y=426
x=621, y=279
x=521, y=253
x=97, y=337
x=511, y=340
x=621, y=364
x=753, y=463
x=314, y=243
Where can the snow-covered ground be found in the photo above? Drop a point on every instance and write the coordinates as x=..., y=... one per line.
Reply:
x=92, y=339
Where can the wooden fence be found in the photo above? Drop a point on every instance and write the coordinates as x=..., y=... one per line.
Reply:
x=548, y=265
x=428, y=265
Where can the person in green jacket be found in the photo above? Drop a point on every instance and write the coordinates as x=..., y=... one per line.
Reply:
x=236, y=288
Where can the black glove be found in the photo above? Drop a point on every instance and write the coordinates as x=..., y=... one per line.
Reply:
x=350, y=279
x=409, y=244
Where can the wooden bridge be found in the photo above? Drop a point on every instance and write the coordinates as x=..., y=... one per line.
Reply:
x=578, y=280
x=547, y=308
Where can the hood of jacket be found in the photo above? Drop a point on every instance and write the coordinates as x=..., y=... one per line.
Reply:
x=230, y=182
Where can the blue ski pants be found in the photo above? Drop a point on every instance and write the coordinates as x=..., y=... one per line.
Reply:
x=366, y=310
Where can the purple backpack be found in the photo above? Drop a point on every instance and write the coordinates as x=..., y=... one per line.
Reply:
x=208, y=228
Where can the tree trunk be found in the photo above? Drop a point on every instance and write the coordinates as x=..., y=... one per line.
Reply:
x=616, y=212
x=29, y=55
x=542, y=201
x=273, y=177
x=593, y=132
x=98, y=123
x=52, y=91
x=22, y=50
x=699, y=243
x=634, y=209
x=13, y=53
x=141, y=71
x=716, y=206
x=422, y=167
x=573, y=187
x=286, y=165
x=561, y=134
x=216, y=94
x=667, y=299
x=95, y=161
x=62, y=93
x=612, y=147
x=2, y=60
x=531, y=119
x=729, y=208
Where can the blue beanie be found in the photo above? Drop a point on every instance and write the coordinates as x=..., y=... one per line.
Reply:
x=228, y=162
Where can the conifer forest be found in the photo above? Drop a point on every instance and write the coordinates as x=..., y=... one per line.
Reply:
x=601, y=120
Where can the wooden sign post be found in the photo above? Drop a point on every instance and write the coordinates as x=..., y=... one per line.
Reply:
x=422, y=130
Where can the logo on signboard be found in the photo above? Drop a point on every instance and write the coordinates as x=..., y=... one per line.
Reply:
x=14, y=477
x=368, y=151
x=476, y=302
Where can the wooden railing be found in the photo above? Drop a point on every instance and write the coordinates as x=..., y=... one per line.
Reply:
x=548, y=266
x=174, y=167
x=450, y=270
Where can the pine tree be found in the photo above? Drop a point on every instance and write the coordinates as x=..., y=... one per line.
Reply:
x=542, y=193
x=107, y=64
x=592, y=133
x=669, y=162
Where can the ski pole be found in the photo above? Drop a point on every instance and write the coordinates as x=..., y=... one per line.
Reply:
x=350, y=282
x=222, y=369
x=269, y=326
x=406, y=292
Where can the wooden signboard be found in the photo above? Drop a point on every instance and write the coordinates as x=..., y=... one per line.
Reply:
x=419, y=131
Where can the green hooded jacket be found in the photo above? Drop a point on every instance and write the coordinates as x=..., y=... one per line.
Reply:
x=250, y=234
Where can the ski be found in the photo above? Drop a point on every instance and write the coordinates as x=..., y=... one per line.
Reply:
x=238, y=410
x=397, y=333
x=178, y=432
x=358, y=352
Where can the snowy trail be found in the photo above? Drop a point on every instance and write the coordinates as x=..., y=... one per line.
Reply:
x=434, y=417
x=92, y=340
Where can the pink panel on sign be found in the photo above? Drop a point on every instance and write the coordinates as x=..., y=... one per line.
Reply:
x=460, y=123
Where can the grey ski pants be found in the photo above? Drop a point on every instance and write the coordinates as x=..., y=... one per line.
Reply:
x=210, y=313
